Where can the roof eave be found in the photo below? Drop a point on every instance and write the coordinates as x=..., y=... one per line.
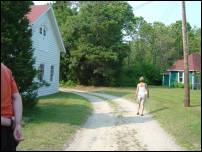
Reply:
x=63, y=47
x=57, y=28
x=38, y=18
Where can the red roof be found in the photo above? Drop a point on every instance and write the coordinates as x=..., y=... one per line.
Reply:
x=36, y=11
x=194, y=63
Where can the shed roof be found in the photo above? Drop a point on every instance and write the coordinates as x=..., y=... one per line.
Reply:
x=194, y=61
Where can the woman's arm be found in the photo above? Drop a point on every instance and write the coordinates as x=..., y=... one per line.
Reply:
x=137, y=89
x=147, y=91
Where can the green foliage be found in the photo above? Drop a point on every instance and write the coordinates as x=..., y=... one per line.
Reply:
x=69, y=83
x=29, y=97
x=129, y=76
x=159, y=45
x=166, y=105
x=195, y=40
x=16, y=45
x=95, y=34
x=57, y=117
x=96, y=48
x=177, y=85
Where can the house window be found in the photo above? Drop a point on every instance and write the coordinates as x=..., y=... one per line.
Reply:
x=51, y=73
x=40, y=30
x=43, y=30
x=41, y=72
x=180, y=77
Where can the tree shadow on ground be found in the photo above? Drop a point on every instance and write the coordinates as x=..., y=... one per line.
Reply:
x=195, y=105
x=109, y=120
x=76, y=113
x=157, y=110
x=50, y=110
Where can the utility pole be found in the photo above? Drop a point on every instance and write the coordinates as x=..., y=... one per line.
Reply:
x=186, y=53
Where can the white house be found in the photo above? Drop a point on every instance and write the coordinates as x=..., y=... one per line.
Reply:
x=48, y=44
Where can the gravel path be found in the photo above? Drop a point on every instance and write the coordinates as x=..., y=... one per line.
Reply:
x=114, y=126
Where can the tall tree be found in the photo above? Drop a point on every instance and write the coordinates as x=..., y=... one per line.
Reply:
x=195, y=40
x=141, y=42
x=66, y=14
x=163, y=45
x=176, y=33
x=98, y=48
x=16, y=44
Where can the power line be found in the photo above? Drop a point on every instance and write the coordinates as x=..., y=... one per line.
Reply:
x=142, y=5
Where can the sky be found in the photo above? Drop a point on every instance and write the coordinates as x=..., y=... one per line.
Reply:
x=166, y=12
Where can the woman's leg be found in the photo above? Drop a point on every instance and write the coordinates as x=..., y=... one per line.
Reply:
x=138, y=108
x=142, y=108
x=142, y=103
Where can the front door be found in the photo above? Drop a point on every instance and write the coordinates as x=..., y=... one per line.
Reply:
x=166, y=80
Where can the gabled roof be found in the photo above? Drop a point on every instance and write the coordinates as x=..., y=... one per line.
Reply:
x=39, y=10
x=36, y=11
x=194, y=61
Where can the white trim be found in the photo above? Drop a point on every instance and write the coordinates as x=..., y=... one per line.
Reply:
x=58, y=30
x=192, y=80
x=169, y=78
x=179, y=70
x=178, y=77
x=183, y=77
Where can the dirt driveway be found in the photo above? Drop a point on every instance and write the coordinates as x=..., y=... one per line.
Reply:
x=114, y=126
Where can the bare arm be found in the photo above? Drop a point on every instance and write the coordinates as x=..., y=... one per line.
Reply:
x=137, y=90
x=5, y=121
x=17, y=106
x=147, y=91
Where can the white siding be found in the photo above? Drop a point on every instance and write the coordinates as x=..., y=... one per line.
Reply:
x=46, y=51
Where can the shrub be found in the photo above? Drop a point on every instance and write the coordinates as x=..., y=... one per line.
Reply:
x=177, y=85
x=69, y=83
x=29, y=98
x=129, y=76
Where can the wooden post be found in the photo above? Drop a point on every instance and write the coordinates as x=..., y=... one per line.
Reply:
x=186, y=52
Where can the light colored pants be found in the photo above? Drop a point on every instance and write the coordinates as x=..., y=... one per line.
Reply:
x=141, y=98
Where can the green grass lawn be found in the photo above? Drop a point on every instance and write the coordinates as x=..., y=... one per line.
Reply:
x=166, y=105
x=53, y=121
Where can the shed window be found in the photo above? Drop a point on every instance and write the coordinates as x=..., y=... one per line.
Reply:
x=181, y=77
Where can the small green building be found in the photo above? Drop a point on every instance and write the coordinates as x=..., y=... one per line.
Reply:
x=175, y=74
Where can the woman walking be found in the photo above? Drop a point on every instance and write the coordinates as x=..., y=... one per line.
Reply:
x=142, y=92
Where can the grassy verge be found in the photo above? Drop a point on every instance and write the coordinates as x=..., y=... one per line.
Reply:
x=54, y=120
x=166, y=105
